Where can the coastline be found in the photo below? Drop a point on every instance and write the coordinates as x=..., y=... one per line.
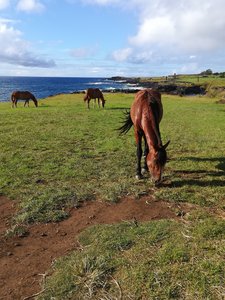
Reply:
x=165, y=85
x=43, y=88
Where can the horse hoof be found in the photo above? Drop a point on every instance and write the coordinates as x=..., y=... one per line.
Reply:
x=143, y=170
x=139, y=177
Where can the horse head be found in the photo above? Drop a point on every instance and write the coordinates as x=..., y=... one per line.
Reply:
x=103, y=102
x=156, y=160
x=35, y=102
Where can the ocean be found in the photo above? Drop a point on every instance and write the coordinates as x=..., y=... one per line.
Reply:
x=43, y=87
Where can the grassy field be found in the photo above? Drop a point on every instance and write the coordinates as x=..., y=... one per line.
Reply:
x=57, y=155
x=212, y=80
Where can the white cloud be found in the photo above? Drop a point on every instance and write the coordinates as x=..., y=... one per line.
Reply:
x=172, y=28
x=16, y=50
x=4, y=4
x=98, y=2
x=30, y=6
x=151, y=30
x=82, y=52
x=122, y=54
x=189, y=26
x=190, y=68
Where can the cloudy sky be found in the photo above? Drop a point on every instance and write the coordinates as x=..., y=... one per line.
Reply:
x=102, y=38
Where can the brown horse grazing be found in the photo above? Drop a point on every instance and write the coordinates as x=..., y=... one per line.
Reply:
x=145, y=114
x=18, y=95
x=93, y=94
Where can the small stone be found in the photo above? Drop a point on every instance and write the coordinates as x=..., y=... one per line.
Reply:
x=43, y=234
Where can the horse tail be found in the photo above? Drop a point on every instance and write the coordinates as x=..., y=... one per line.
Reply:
x=127, y=124
x=85, y=97
x=12, y=97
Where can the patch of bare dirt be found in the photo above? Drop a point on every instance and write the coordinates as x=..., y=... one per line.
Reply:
x=24, y=260
x=222, y=101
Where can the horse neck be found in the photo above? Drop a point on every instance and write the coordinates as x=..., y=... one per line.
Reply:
x=151, y=131
x=153, y=140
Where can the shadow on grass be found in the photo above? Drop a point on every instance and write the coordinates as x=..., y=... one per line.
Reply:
x=196, y=182
x=117, y=108
x=219, y=160
x=196, y=177
x=44, y=106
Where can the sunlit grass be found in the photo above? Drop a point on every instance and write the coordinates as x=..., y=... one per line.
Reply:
x=61, y=153
x=57, y=155
x=156, y=260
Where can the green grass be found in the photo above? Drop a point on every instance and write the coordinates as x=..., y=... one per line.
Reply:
x=57, y=155
x=156, y=260
x=196, y=128
x=54, y=156
x=213, y=80
x=199, y=79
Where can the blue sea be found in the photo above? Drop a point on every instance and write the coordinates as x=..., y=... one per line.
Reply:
x=43, y=87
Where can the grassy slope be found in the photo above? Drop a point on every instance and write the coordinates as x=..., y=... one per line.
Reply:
x=59, y=154
x=213, y=80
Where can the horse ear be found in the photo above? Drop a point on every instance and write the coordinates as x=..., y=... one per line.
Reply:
x=166, y=145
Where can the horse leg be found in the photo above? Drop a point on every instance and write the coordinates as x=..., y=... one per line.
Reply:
x=138, y=137
x=13, y=99
x=146, y=151
x=88, y=105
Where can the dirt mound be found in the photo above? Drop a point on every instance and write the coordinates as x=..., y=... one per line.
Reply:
x=24, y=260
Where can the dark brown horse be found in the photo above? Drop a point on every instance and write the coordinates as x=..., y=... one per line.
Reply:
x=94, y=94
x=18, y=95
x=145, y=114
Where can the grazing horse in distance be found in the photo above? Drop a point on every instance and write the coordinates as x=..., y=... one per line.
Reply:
x=145, y=114
x=94, y=94
x=25, y=95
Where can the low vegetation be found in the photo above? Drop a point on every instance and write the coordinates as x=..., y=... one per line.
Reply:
x=60, y=154
x=205, y=78
x=156, y=260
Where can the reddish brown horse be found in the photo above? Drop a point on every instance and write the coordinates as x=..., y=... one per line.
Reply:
x=145, y=114
x=18, y=95
x=94, y=94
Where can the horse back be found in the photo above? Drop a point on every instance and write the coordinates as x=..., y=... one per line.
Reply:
x=147, y=104
x=93, y=94
x=22, y=95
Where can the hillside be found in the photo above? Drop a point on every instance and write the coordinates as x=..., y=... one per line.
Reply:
x=197, y=84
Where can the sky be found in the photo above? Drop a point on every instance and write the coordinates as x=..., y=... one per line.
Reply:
x=104, y=38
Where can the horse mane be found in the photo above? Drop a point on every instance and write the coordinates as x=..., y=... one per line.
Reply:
x=162, y=156
x=154, y=106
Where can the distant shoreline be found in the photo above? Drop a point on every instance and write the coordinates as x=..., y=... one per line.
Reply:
x=167, y=85
x=43, y=88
